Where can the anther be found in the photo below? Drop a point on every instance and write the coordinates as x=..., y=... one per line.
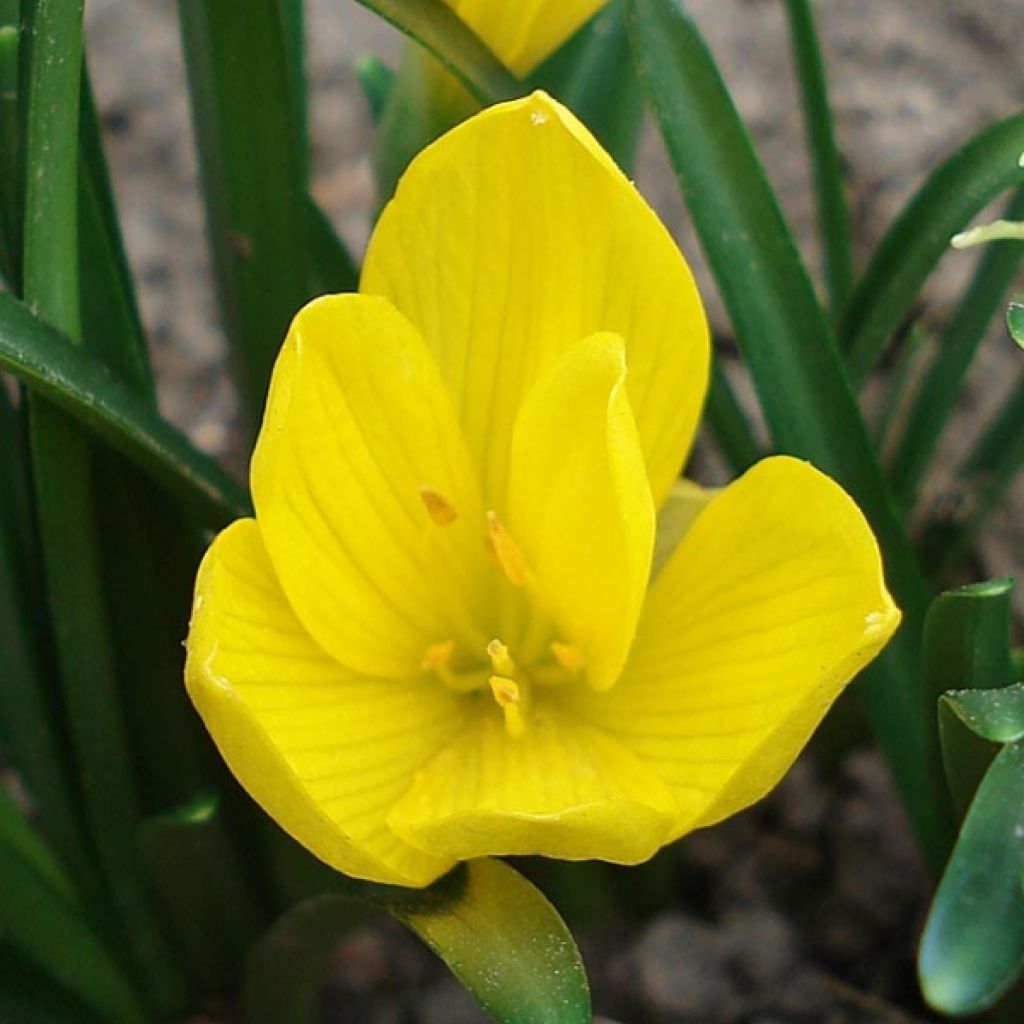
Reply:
x=439, y=508
x=568, y=656
x=437, y=656
x=501, y=660
x=505, y=550
x=509, y=698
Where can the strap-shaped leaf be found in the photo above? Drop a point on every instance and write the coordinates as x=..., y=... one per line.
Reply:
x=833, y=212
x=935, y=400
x=792, y=356
x=202, y=888
x=82, y=386
x=498, y=934
x=954, y=193
x=593, y=75
x=973, y=944
x=39, y=918
x=434, y=25
x=966, y=663
x=1015, y=321
x=240, y=63
x=65, y=497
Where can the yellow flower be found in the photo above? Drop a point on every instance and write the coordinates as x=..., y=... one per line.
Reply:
x=442, y=636
x=521, y=33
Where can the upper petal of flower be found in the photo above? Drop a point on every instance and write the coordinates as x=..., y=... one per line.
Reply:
x=363, y=490
x=580, y=506
x=511, y=238
x=325, y=752
x=772, y=602
x=523, y=32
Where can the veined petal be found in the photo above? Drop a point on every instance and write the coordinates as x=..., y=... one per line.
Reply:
x=358, y=458
x=772, y=602
x=324, y=752
x=523, y=32
x=580, y=506
x=494, y=249
x=561, y=789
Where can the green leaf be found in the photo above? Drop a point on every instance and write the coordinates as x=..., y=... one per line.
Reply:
x=82, y=386
x=973, y=944
x=996, y=715
x=901, y=375
x=833, y=213
x=29, y=712
x=10, y=227
x=984, y=479
x=966, y=645
x=955, y=192
x=506, y=944
x=938, y=394
x=333, y=269
x=436, y=26
x=1015, y=322
x=252, y=158
x=40, y=919
x=65, y=496
x=498, y=934
x=202, y=890
x=375, y=79
x=28, y=994
x=111, y=324
x=593, y=75
x=788, y=345
x=730, y=428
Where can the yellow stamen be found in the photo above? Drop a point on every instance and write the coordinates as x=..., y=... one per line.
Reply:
x=509, y=697
x=437, y=656
x=439, y=508
x=501, y=660
x=505, y=550
x=568, y=656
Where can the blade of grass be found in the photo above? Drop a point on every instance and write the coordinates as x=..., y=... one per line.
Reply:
x=729, y=425
x=109, y=310
x=191, y=861
x=10, y=228
x=833, y=213
x=83, y=387
x=253, y=166
x=29, y=713
x=960, y=341
x=953, y=193
x=332, y=267
x=38, y=916
x=436, y=26
x=593, y=75
x=65, y=496
x=899, y=381
x=789, y=347
x=375, y=80
x=986, y=476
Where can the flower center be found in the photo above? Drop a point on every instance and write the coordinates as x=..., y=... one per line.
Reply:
x=513, y=687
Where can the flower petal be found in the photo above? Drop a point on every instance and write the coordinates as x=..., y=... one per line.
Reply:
x=560, y=790
x=580, y=506
x=324, y=752
x=772, y=602
x=357, y=462
x=523, y=32
x=509, y=240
